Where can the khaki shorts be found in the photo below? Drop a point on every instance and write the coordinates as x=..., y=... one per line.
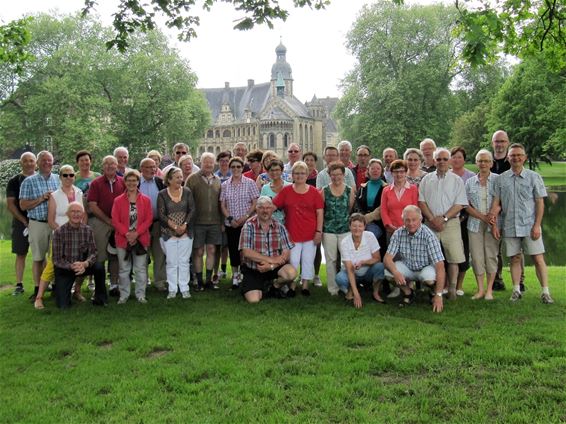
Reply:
x=39, y=239
x=101, y=236
x=207, y=234
x=451, y=240
x=530, y=247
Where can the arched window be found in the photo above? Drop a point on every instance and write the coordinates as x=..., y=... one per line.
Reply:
x=217, y=133
x=238, y=132
x=210, y=149
x=210, y=134
x=301, y=133
x=286, y=140
x=271, y=141
x=226, y=134
x=311, y=138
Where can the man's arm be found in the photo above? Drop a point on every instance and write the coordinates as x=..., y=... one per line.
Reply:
x=438, y=303
x=271, y=261
x=13, y=209
x=453, y=211
x=536, y=231
x=27, y=204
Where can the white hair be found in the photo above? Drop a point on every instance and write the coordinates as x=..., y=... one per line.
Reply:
x=440, y=150
x=117, y=149
x=264, y=199
x=75, y=203
x=344, y=143
x=209, y=155
x=411, y=208
x=484, y=152
x=427, y=141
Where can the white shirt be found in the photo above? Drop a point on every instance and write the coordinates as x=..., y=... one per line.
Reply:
x=441, y=193
x=368, y=246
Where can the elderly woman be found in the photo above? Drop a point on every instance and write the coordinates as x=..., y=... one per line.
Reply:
x=414, y=159
x=338, y=202
x=85, y=174
x=483, y=246
x=310, y=158
x=57, y=207
x=276, y=184
x=156, y=156
x=304, y=211
x=368, y=199
x=396, y=196
x=237, y=202
x=132, y=217
x=186, y=166
x=176, y=207
x=263, y=178
x=361, y=261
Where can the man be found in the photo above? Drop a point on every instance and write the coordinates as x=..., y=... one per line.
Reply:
x=266, y=248
x=442, y=196
x=121, y=154
x=419, y=258
x=205, y=187
x=500, y=144
x=323, y=177
x=241, y=151
x=150, y=185
x=520, y=194
x=389, y=155
x=345, y=152
x=360, y=171
x=101, y=194
x=34, y=197
x=20, y=243
x=179, y=150
x=294, y=154
x=74, y=255
x=428, y=147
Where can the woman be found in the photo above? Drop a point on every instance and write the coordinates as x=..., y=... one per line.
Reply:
x=132, y=217
x=304, y=211
x=223, y=161
x=276, y=184
x=458, y=160
x=338, y=202
x=368, y=199
x=223, y=172
x=237, y=202
x=85, y=175
x=56, y=216
x=310, y=158
x=186, y=166
x=263, y=178
x=396, y=196
x=483, y=246
x=362, y=262
x=156, y=156
x=176, y=207
x=256, y=167
x=414, y=159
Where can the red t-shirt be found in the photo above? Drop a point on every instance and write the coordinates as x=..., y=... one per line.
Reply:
x=103, y=192
x=300, y=211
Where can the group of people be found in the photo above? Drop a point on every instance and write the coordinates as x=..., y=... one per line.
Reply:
x=391, y=226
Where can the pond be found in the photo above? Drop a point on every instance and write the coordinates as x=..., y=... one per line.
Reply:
x=554, y=224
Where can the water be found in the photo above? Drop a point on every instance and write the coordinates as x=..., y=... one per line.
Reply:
x=553, y=224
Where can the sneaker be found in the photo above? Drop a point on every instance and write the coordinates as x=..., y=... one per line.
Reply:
x=199, y=287
x=142, y=300
x=394, y=293
x=515, y=296
x=171, y=295
x=235, y=282
x=18, y=290
x=498, y=285
x=316, y=281
x=523, y=288
x=186, y=295
x=122, y=300
x=546, y=299
x=222, y=275
x=460, y=293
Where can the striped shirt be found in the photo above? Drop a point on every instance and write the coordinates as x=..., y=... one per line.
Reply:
x=417, y=250
x=73, y=244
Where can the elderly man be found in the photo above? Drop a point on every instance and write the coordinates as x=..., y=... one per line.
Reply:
x=179, y=150
x=418, y=258
x=427, y=147
x=345, y=152
x=520, y=194
x=360, y=171
x=205, y=187
x=101, y=194
x=74, y=255
x=240, y=150
x=442, y=196
x=150, y=185
x=122, y=155
x=266, y=248
x=389, y=155
x=323, y=177
x=34, y=196
x=294, y=154
x=20, y=244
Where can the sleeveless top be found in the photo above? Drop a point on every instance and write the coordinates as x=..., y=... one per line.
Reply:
x=62, y=203
x=336, y=211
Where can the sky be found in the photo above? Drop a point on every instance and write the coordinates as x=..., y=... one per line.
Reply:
x=315, y=42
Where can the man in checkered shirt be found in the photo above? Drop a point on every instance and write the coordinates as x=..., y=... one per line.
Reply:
x=414, y=254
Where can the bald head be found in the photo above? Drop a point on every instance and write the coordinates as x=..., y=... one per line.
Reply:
x=500, y=144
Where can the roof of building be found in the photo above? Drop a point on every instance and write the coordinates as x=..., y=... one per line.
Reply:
x=253, y=97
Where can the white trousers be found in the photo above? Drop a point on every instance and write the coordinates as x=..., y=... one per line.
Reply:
x=331, y=243
x=177, y=265
x=303, y=254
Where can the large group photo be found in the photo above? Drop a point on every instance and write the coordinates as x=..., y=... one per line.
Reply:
x=236, y=254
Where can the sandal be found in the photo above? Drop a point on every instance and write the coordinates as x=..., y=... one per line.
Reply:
x=377, y=299
x=407, y=299
x=38, y=303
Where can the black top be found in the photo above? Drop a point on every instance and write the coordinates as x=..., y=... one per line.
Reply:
x=500, y=166
x=13, y=190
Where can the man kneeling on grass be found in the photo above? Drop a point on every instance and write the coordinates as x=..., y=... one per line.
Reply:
x=419, y=258
x=265, y=247
x=74, y=254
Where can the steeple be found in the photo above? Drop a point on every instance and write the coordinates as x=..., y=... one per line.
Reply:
x=281, y=70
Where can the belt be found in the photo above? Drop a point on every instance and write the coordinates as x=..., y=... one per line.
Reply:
x=39, y=220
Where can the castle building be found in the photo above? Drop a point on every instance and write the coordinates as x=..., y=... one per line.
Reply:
x=268, y=116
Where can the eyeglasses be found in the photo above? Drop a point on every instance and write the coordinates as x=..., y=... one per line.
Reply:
x=67, y=175
x=442, y=159
x=132, y=181
x=483, y=161
x=253, y=160
x=236, y=167
x=299, y=173
x=363, y=154
x=180, y=153
x=500, y=141
x=292, y=151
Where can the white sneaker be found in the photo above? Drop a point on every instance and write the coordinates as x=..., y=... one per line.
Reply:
x=394, y=293
x=222, y=275
x=171, y=295
x=235, y=281
x=122, y=300
x=186, y=295
x=546, y=299
x=460, y=293
x=516, y=295
x=316, y=281
x=142, y=300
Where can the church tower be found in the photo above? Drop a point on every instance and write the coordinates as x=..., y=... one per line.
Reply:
x=281, y=79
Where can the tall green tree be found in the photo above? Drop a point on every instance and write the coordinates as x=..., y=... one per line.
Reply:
x=77, y=94
x=399, y=90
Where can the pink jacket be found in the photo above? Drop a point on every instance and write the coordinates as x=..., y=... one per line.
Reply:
x=391, y=207
x=121, y=219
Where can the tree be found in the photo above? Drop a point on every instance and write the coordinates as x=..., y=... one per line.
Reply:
x=14, y=38
x=76, y=94
x=399, y=91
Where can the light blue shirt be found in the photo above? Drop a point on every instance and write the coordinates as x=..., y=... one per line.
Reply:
x=149, y=188
x=36, y=186
x=473, y=191
x=418, y=250
x=323, y=178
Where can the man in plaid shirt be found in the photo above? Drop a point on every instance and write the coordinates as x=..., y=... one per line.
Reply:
x=74, y=254
x=418, y=258
x=265, y=247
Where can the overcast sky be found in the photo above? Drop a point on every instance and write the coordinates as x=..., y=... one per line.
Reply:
x=314, y=40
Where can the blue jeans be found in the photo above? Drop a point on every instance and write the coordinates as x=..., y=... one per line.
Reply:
x=373, y=273
x=375, y=229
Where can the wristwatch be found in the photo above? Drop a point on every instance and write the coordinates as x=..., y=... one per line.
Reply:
x=229, y=218
x=445, y=218
x=438, y=294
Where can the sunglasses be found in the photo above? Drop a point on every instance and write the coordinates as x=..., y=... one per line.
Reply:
x=180, y=153
x=236, y=167
x=67, y=175
x=292, y=151
x=442, y=159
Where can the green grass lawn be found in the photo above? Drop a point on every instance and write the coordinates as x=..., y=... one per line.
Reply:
x=214, y=358
x=553, y=175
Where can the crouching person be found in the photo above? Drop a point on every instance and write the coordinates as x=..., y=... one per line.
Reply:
x=361, y=261
x=74, y=254
x=265, y=247
x=418, y=258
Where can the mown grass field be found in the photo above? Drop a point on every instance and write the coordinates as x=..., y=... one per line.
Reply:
x=214, y=358
x=554, y=175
